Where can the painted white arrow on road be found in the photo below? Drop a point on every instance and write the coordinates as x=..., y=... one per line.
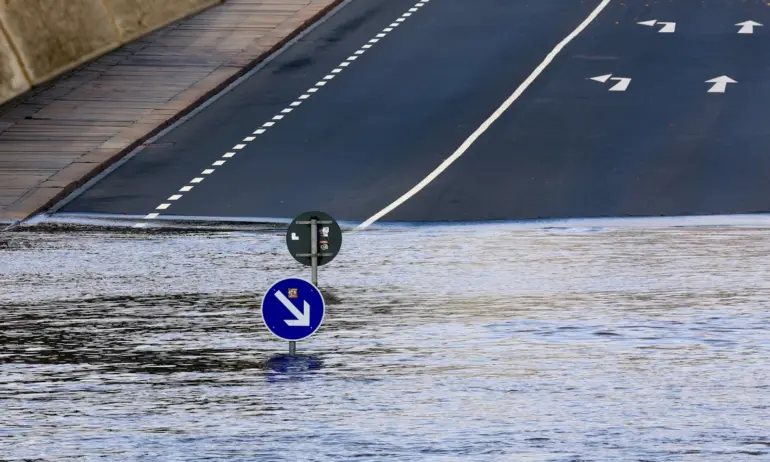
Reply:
x=747, y=27
x=301, y=319
x=668, y=27
x=622, y=84
x=720, y=84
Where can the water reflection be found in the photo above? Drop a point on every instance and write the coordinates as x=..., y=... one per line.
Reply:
x=472, y=343
x=290, y=368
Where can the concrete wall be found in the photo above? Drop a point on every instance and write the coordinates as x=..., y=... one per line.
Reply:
x=41, y=39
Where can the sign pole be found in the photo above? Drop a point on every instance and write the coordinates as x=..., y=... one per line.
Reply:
x=297, y=239
x=314, y=251
x=314, y=266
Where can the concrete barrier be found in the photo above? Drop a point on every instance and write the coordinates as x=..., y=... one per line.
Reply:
x=12, y=78
x=41, y=39
x=134, y=18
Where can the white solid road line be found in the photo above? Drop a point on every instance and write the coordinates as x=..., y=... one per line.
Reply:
x=488, y=123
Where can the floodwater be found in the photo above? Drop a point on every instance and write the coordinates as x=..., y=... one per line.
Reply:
x=452, y=343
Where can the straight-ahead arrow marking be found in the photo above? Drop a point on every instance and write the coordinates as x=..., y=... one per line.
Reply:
x=747, y=27
x=720, y=84
x=301, y=319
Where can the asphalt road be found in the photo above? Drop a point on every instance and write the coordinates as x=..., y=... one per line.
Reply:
x=567, y=147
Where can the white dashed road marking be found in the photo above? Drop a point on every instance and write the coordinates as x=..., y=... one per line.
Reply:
x=487, y=123
x=342, y=66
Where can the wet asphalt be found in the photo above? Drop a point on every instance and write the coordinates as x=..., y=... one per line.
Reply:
x=568, y=147
x=474, y=342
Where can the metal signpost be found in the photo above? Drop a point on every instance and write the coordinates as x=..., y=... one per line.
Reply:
x=309, y=233
x=313, y=239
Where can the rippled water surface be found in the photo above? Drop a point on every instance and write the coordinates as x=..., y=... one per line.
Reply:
x=440, y=343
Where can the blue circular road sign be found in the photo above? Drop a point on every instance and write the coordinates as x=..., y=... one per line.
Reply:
x=293, y=309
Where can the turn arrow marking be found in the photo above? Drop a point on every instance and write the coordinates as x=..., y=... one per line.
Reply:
x=668, y=27
x=720, y=84
x=301, y=319
x=747, y=27
x=622, y=85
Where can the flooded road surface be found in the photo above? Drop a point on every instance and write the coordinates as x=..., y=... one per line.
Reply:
x=440, y=343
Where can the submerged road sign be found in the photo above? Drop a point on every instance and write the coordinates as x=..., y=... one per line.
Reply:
x=328, y=239
x=293, y=309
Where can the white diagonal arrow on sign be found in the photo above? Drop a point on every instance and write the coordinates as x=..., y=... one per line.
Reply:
x=668, y=27
x=301, y=319
x=720, y=84
x=622, y=84
x=747, y=27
